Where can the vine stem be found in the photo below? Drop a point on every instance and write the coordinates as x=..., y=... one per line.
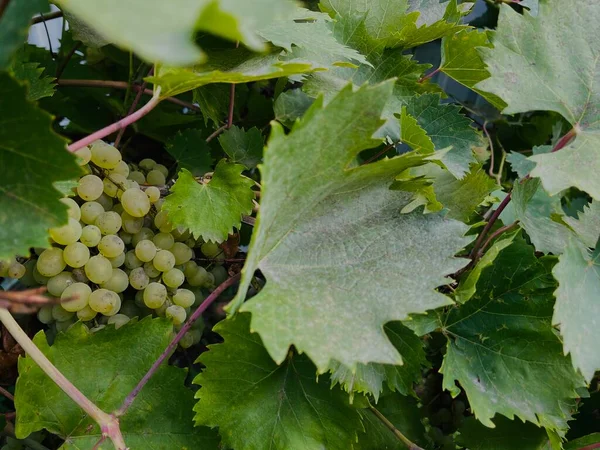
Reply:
x=217, y=132
x=7, y=394
x=410, y=444
x=591, y=446
x=171, y=347
x=108, y=423
x=124, y=122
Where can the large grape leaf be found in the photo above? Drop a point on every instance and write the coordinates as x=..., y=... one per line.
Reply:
x=164, y=31
x=291, y=105
x=507, y=435
x=258, y=404
x=325, y=227
x=369, y=378
x=244, y=147
x=39, y=85
x=587, y=225
x=14, y=24
x=502, y=339
x=32, y=158
x=577, y=307
x=106, y=366
x=210, y=209
x=557, y=70
x=191, y=151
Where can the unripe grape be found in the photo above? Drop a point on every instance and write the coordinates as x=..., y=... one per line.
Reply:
x=132, y=261
x=90, y=212
x=187, y=340
x=58, y=283
x=220, y=274
x=74, y=211
x=164, y=260
x=163, y=241
x=184, y=298
x=105, y=201
x=153, y=193
x=98, y=269
x=118, y=320
x=84, y=155
x=44, y=315
x=64, y=325
x=90, y=187
x=121, y=169
x=117, y=261
x=145, y=250
x=139, y=279
x=79, y=275
x=86, y=314
x=119, y=281
x=147, y=164
x=181, y=234
x=161, y=222
x=138, y=177
x=27, y=280
x=150, y=270
x=113, y=184
x=111, y=246
x=104, y=301
x=176, y=313
x=90, y=236
x=66, y=234
x=38, y=277
x=118, y=208
x=76, y=254
x=125, y=237
x=142, y=235
x=200, y=278
x=16, y=270
x=132, y=224
x=75, y=297
x=210, y=249
x=105, y=155
x=190, y=268
x=155, y=295
x=135, y=202
x=60, y=314
x=51, y=262
x=109, y=222
x=173, y=278
x=156, y=178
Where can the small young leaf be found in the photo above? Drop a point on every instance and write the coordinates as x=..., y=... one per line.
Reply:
x=244, y=147
x=283, y=408
x=211, y=209
x=190, y=150
x=40, y=86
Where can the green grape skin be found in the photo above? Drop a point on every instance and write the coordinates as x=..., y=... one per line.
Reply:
x=220, y=274
x=173, y=278
x=210, y=249
x=84, y=155
x=38, y=277
x=125, y=237
x=200, y=278
x=117, y=261
x=131, y=224
x=109, y=222
x=184, y=298
x=76, y=254
x=28, y=280
x=190, y=268
x=63, y=325
x=181, y=252
x=60, y=314
x=118, y=320
x=156, y=178
x=86, y=314
x=138, y=279
x=176, y=313
x=163, y=241
x=121, y=169
x=44, y=315
x=147, y=164
x=164, y=260
x=143, y=235
x=104, y=301
x=150, y=270
x=74, y=212
x=132, y=261
x=98, y=269
x=111, y=246
x=16, y=270
x=155, y=295
x=113, y=184
x=66, y=234
x=145, y=251
x=105, y=155
x=135, y=202
x=118, y=282
x=79, y=275
x=187, y=340
x=51, y=262
x=90, y=187
x=58, y=283
x=105, y=201
x=162, y=169
x=75, y=297
x=90, y=212
x=137, y=176
x=153, y=193
x=90, y=236
x=161, y=221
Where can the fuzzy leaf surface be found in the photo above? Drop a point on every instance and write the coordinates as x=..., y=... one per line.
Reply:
x=324, y=221
x=587, y=225
x=260, y=405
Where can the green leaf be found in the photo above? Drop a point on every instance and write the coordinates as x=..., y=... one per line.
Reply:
x=502, y=339
x=39, y=85
x=413, y=135
x=105, y=366
x=290, y=106
x=523, y=165
x=577, y=306
x=244, y=147
x=462, y=62
x=578, y=444
x=587, y=225
x=32, y=158
x=340, y=229
x=507, y=435
x=190, y=150
x=210, y=209
x=569, y=44
x=283, y=407
x=14, y=24
x=159, y=31
x=369, y=378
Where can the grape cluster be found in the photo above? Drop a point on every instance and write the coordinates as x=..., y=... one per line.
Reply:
x=119, y=256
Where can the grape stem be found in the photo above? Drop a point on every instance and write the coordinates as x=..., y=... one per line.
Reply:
x=109, y=424
x=124, y=122
x=410, y=444
x=171, y=347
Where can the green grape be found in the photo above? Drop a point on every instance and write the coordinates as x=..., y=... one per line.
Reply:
x=200, y=278
x=121, y=169
x=27, y=280
x=161, y=222
x=138, y=279
x=191, y=242
x=145, y=250
x=147, y=164
x=164, y=260
x=51, y=262
x=132, y=261
x=156, y=178
x=74, y=211
x=131, y=224
x=79, y=275
x=196, y=333
x=105, y=155
x=118, y=320
x=76, y=254
x=4, y=265
x=163, y=241
x=58, y=283
x=184, y=298
x=139, y=299
x=129, y=308
x=86, y=314
x=210, y=249
x=187, y=340
x=38, y=277
x=115, y=309
x=119, y=281
x=105, y=201
x=90, y=212
x=143, y=235
x=84, y=155
x=162, y=169
x=75, y=297
x=155, y=295
x=113, y=184
x=60, y=314
x=135, y=202
x=125, y=237
x=162, y=309
x=153, y=194
x=98, y=269
x=104, y=301
x=150, y=270
x=190, y=268
x=138, y=177
x=173, y=278
x=220, y=274
x=111, y=246
x=118, y=208
x=44, y=315
x=109, y=222
x=176, y=313
x=90, y=236
x=64, y=325
x=16, y=270
x=158, y=205
x=66, y=234
x=90, y=187
x=210, y=284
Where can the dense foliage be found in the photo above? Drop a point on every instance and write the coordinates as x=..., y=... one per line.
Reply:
x=343, y=224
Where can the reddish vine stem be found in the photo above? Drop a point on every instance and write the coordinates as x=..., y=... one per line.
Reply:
x=231, y=99
x=60, y=69
x=489, y=225
x=591, y=446
x=494, y=235
x=3, y=6
x=430, y=75
x=7, y=394
x=49, y=16
x=381, y=153
x=217, y=132
x=9, y=415
x=171, y=347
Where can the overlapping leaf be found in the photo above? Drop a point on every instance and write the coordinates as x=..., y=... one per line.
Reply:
x=259, y=405
x=508, y=434
x=105, y=366
x=244, y=147
x=291, y=105
x=190, y=150
x=14, y=24
x=326, y=228
x=587, y=225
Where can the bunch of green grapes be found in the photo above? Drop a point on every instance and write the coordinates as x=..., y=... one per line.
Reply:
x=119, y=256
